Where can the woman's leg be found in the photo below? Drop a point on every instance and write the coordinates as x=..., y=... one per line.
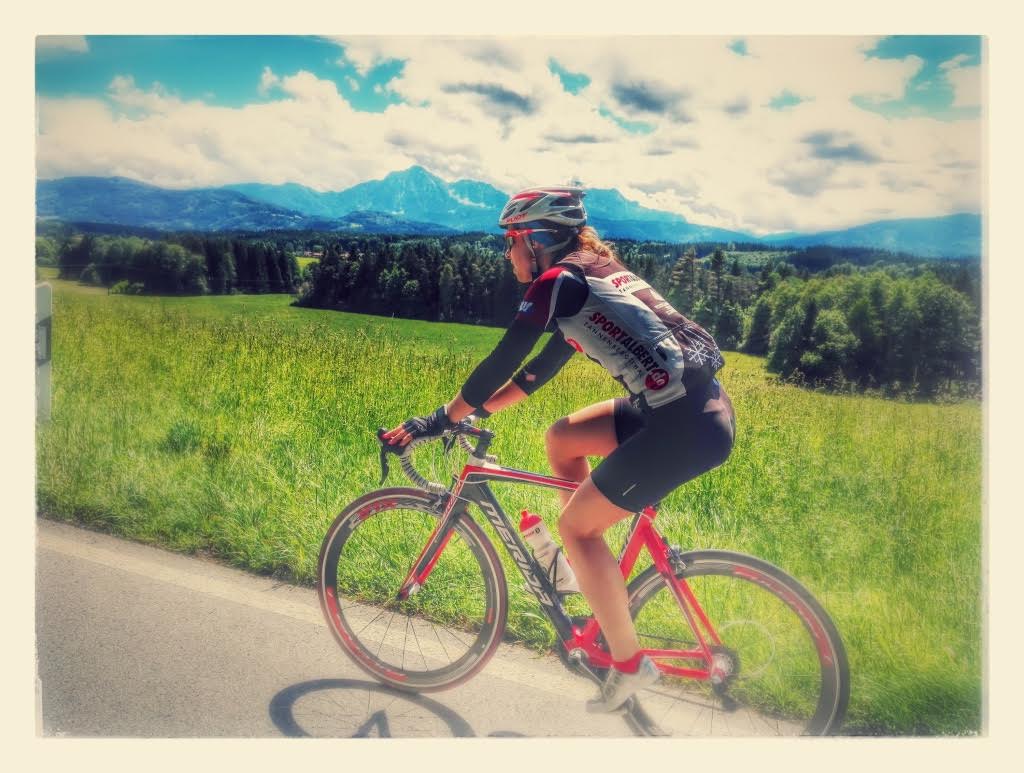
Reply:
x=589, y=431
x=679, y=442
x=586, y=514
x=582, y=526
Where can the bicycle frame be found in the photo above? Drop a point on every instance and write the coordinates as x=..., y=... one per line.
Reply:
x=471, y=487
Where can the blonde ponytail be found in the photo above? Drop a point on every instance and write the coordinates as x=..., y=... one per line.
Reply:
x=589, y=240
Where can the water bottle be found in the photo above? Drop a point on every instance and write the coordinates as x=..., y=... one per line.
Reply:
x=548, y=554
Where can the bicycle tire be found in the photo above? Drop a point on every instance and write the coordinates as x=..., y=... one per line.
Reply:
x=783, y=677
x=440, y=640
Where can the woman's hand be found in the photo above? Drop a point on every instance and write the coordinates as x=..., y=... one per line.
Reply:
x=432, y=425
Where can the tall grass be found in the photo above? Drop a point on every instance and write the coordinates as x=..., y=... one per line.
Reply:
x=241, y=425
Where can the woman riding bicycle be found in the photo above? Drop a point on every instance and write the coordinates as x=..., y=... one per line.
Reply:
x=677, y=423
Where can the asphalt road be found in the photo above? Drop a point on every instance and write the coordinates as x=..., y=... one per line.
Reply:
x=133, y=641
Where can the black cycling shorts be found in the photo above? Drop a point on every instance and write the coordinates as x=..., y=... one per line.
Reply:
x=662, y=448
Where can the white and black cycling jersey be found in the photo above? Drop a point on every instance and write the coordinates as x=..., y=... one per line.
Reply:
x=598, y=307
x=635, y=334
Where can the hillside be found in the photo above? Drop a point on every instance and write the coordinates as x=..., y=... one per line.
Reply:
x=225, y=425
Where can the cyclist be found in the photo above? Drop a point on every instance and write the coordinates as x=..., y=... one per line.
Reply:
x=677, y=423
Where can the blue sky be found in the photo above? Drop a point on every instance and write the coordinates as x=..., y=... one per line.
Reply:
x=573, y=82
x=225, y=70
x=930, y=92
x=220, y=70
x=760, y=133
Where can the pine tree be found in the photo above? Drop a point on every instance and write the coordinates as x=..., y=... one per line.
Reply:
x=758, y=335
x=718, y=269
x=729, y=326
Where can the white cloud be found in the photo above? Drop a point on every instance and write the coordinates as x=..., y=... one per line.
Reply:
x=966, y=81
x=363, y=53
x=268, y=81
x=352, y=83
x=123, y=91
x=957, y=61
x=51, y=44
x=490, y=109
x=307, y=87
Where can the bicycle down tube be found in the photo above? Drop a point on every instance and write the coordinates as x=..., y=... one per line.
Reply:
x=472, y=488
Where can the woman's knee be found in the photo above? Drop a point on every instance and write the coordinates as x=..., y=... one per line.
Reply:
x=555, y=439
x=571, y=527
x=589, y=514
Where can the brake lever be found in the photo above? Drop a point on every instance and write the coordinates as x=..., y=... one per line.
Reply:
x=448, y=442
x=463, y=427
x=385, y=449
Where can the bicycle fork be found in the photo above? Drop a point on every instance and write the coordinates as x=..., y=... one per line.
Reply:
x=431, y=552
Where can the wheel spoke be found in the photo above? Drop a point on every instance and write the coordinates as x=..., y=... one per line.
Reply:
x=774, y=680
x=434, y=628
x=450, y=626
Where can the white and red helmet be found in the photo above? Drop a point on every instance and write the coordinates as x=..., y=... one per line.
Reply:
x=556, y=205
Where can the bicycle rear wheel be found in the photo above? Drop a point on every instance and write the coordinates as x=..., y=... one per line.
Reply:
x=779, y=669
x=437, y=637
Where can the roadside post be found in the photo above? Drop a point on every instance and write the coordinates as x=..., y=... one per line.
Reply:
x=44, y=329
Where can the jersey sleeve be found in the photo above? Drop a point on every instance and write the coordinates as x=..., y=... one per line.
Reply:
x=500, y=364
x=542, y=368
x=558, y=292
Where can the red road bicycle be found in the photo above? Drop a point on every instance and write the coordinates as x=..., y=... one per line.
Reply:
x=414, y=591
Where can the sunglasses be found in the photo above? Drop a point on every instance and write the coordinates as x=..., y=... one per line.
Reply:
x=510, y=235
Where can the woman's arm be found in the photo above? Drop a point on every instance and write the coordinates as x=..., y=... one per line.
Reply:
x=488, y=387
x=528, y=380
x=507, y=395
x=481, y=386
x=496, y=368
x=542, y=368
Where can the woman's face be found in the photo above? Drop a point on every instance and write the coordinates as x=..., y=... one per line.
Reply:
x=523, y=260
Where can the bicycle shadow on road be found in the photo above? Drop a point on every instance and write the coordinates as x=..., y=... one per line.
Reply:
x=352, y=708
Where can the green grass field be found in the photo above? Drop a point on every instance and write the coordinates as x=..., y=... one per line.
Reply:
x=240, y=425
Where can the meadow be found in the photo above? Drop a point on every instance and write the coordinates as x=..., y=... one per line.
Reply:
x=238, y=426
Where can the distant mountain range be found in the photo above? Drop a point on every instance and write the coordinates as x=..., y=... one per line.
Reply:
x=950, y=236
x=119, y=201
x=413, y=195
x=414, y=201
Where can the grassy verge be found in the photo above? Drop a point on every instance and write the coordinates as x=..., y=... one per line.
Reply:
x=240, y=425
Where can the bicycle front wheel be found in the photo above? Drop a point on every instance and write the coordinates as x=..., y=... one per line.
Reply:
x=777, y=666
x=437, y=637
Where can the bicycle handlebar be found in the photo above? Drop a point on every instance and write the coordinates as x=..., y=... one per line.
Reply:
x=457, y=433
